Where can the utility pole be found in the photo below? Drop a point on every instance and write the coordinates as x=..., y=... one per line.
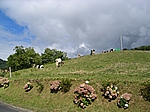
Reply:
x=121, y=46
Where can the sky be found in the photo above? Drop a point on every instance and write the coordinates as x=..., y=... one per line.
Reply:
x=73, y=26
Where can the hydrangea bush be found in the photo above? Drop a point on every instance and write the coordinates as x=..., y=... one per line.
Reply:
x=4, y=82
x=28, y=86
x=84, y=95
x=110, y=92
x=63, y=86
x=123, y=101
x=55, y=86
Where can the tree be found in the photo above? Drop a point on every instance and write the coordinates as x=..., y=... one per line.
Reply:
x=32, y=57
x=142, y=48
x=23, y=58
x=3, y=64
x=49, y=55
x=19, y=50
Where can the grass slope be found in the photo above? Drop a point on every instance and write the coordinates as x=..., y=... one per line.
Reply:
x=128, y=69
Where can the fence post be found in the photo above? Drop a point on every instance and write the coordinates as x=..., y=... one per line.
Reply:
x=10, y=72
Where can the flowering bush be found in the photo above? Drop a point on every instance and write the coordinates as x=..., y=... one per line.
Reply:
x=28, y=86
x=84, y=95
x=63, y=85
x=111, y=92
x=123, y=101
x=4, y=82
x=55, y=86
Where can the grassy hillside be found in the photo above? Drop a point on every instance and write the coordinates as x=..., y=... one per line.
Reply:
x=128, y=69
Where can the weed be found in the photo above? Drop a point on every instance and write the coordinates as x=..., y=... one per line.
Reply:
x=39, y=86
x=65, y=85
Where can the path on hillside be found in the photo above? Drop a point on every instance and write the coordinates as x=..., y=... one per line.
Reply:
x=9, y=108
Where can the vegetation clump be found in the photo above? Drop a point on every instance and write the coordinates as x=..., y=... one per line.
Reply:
x=39, y=86
x=123, y=101
x=145, y=92
x=28, y=86
x=110, y=92
x=65, y=85
x=4, y=82
x=84, y=95
x=55, y=86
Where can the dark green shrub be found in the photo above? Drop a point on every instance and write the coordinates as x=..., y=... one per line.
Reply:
x=145, y=91
x=65, y=85
x=39, y=86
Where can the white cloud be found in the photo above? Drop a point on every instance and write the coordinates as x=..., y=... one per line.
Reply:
x=76, y=26
x=9, y=41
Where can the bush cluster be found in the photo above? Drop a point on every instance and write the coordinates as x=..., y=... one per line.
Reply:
x=123, y=101
x=39, y=86
x=84, y=95
x=145, y=91
x=4, y=82
x=63, y=86
x=55, y=86
x=28, y=86
x=110, y=92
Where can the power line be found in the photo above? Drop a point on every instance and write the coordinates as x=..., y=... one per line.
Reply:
x=116, y=42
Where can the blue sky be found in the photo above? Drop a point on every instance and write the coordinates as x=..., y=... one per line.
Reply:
x=10, y=25
x=12, y=34
x=73, y=26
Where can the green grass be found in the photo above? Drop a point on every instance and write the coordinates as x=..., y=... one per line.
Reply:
x=128, y=69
